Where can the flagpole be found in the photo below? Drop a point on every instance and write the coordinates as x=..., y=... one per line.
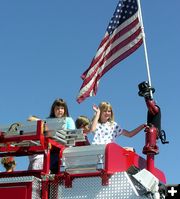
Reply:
x=144, y=44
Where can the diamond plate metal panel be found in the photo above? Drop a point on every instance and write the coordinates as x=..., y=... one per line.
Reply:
x=36, y=189
x=17, y=179
x=120, y=187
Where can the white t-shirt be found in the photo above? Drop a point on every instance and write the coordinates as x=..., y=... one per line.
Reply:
x=36, y=162
x=106, y=133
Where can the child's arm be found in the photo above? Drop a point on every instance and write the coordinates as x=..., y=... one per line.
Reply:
x=133, y=132
x=95, y=119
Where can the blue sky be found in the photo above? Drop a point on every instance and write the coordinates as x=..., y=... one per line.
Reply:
x=46, y=45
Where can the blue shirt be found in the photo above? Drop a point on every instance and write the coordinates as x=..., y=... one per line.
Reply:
x=70, y=123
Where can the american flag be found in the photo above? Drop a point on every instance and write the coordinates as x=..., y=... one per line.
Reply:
x=122, y=37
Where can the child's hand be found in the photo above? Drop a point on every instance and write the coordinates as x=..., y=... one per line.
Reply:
x=96, y=108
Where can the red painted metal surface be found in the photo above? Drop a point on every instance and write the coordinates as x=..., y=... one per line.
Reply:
x=151, y=141
x=16, y=190
x=118, y=159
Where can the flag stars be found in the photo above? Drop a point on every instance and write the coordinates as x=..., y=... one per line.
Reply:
x=124, y=10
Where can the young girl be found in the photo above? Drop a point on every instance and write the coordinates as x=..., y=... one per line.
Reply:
x=58, y=109
x=105, y=128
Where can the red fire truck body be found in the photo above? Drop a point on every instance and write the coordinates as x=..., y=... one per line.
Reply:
x=87, y=171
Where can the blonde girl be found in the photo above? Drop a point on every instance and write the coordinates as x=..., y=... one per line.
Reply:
x=105, y=129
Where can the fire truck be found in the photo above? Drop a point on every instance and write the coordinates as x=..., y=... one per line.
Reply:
x=83, y=171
